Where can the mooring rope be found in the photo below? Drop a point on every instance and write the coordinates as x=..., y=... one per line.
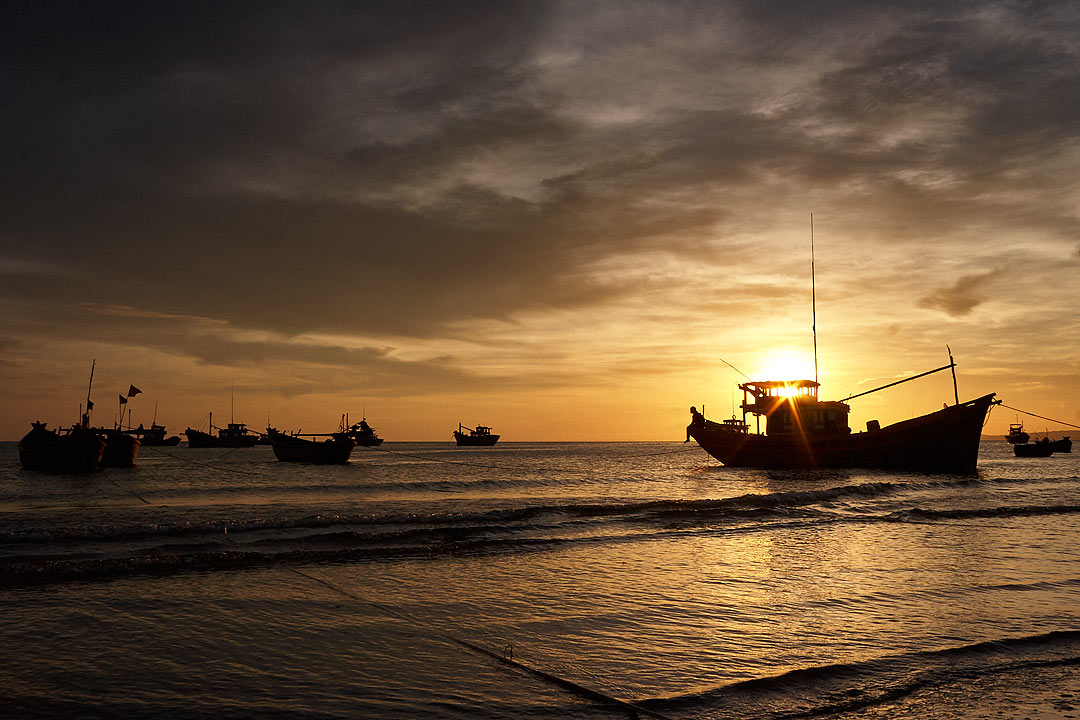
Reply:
x=632, y=710
x=207, y=465
x=1041, y=417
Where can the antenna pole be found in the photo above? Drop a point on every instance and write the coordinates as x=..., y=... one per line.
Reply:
x=952, y=364
x=813, y=294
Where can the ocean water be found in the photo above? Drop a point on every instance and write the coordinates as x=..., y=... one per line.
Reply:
x=423, y=580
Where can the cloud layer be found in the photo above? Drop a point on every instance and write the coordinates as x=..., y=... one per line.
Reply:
x=427, y=190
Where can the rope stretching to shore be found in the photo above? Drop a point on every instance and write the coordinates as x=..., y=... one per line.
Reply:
x=1041, y=417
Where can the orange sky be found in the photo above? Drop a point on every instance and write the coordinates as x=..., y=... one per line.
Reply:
x=554, y=219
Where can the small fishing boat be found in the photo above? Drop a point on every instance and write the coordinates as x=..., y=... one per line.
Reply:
x=303, y=448
x=77, y=449
x=235, y=435
x=1040, y=448
x=155, y=435
x=480, y=436
x=1016, y=434
x=364, y=434
x=1064, y=445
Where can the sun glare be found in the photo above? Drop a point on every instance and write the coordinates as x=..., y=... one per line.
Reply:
x=787, y=365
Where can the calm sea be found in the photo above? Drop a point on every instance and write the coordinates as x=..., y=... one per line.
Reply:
x=217, y=583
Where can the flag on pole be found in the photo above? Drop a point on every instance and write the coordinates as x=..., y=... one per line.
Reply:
x=89, y=404
x=133, y=391
x=123, y=400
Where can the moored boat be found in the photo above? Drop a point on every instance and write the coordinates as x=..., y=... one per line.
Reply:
x=155, y=435
x=121, y=449
x=334, y=450
x=1016, y=434
x=77, y=449
x=1040, y=448
x=480, y=436
x=364, y=434
x=234, y=435
x=805, y=433
x=1064, y=445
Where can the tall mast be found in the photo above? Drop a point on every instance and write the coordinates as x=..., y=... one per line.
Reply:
x=813, y=294
x=86, y=417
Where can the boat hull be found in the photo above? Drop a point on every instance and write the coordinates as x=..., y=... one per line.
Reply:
x=945, y=441
x=334, y=451
x=1063, y=445
x=1035, y=449
x=120, y=449
x=77, y=451
x=170, y=441
x=464, y=440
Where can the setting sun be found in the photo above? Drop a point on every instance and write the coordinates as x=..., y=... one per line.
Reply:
x=787, y=365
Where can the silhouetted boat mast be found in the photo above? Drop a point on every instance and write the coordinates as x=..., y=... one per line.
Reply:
x=813, y=295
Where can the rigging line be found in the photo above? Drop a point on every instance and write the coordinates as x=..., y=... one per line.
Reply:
x=206, y=465
x=1025, y=412
x=129, y=491
x=632, y=710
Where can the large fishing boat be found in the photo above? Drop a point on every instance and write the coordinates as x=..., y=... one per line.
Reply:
x=304, y=448
x=478, y=436
x=802, y=432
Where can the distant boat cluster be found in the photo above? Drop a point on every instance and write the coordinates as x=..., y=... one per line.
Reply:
x=1043, y=447
x=83, y=448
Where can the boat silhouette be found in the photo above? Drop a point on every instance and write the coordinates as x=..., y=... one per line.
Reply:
x=803, y=432
x=234, y=435
x=480, y=436
x=304, y=448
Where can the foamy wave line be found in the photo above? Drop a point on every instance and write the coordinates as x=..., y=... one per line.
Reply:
x=827, y=690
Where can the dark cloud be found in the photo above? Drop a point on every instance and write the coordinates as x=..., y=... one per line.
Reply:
x=405, y=168
x=964, y=296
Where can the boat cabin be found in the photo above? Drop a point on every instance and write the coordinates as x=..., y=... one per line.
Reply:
x=792, y=406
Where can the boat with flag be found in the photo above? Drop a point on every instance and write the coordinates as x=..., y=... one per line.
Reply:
x=75, y=449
